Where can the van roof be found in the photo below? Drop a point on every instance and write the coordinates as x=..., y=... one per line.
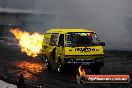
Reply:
x=63, y=30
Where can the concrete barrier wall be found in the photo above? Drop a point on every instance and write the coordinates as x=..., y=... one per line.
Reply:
x=6, y=85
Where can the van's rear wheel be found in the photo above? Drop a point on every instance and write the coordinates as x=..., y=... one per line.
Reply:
x=46, y=64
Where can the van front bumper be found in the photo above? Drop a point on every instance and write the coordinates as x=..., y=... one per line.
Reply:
x=85, y=62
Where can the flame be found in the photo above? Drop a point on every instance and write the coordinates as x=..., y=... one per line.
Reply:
x=81, y=71
x=30, y=68
x=31, y=44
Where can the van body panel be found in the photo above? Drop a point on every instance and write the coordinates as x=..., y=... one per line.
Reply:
x=69, y=54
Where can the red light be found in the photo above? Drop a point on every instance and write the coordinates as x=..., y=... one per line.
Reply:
x=89, y=34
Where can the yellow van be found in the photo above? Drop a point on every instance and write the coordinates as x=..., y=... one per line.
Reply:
x=64, y=47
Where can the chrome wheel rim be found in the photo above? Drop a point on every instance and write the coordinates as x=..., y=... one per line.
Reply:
x=46, y=64
x=59, y=68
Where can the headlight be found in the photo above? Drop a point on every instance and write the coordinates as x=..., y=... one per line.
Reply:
x=70, y=60
x=99, y=59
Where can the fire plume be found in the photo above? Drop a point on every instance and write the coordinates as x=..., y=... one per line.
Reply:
x=31, y=44
x=81, y=71
x=30, y=68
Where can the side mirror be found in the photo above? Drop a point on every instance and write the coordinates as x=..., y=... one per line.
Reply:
x=102, y=43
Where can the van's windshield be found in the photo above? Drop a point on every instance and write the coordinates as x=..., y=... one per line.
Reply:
x=82, y=39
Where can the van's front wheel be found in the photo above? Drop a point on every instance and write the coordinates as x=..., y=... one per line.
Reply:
x=46, y=64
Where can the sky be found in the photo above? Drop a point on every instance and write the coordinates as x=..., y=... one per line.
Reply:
x=110, y=19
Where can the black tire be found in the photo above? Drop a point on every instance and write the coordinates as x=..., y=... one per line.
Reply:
x=60, y=67
x=46, y=64
x=95, y=70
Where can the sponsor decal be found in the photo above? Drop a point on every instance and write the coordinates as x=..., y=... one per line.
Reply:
x=86, y=49
x=70, y=49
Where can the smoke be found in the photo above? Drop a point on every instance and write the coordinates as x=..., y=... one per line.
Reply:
x=111, y=19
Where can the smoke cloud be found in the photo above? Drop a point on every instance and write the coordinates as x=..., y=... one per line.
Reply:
x=111, y=19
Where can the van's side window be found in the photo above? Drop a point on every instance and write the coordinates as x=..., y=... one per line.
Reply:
x=53, y=39
x=46, y=40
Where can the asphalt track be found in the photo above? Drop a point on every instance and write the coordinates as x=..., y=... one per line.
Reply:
x=13, y=63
